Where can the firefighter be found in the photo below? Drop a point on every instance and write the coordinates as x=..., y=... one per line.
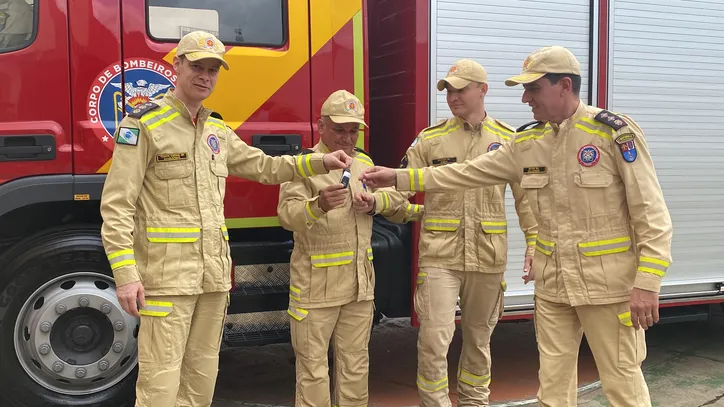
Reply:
x=332, y=282
x=463, y=243
x=16, y=23
x=604, y=239
x=163, y=224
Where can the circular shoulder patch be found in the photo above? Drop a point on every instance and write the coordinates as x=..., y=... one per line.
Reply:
x=588, y=155
x=494, y=146
x=213, y=142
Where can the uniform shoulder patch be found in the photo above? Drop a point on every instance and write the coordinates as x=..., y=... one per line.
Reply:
x=606, y=117
x=142, y=109
x=528, y=125
x=504, y=125
x=128, y=136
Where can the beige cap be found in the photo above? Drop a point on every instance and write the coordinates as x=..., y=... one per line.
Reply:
x=198, y=45
x=344, y=107
x=553, y=59
x=462, y=73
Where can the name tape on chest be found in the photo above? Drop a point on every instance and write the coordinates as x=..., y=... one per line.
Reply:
x=534, y=170
x=171, y=157
x=443, y=161
x=128, y=136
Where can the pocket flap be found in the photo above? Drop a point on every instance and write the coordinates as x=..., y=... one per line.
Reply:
x=332, y=259
x=544, y=246
x=607, y=246
x=494, y=226
x=445, y=225
x=219, y=169
x=593, y=179
x=173, y=170
x=534, y=181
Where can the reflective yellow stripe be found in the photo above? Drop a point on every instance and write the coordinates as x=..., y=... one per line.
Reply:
x=601, y=247
x=173, y=235
x=504, y=285
x=156, y=308
x=304, y=165
x=545, y=247
x=447, y=225
x=530, y=239
x=297, y=313
x=532, y=134
x=416, y=183
x=308, y=164
x=653, y=266
x=498, y=133
x=364, y=159
x=421, y=277
x=591, y=131
x=121, y=258
x=441, y=132
x=501, y=128
x=162, y=121
x=385, y=200
x=225, y=232
x=431, y=386
x=370, y=255
x=147, y=117
x=332, y=259
x=215, y=124
x=494, y=227
x=309, y=212
x=625, y=318
x=473, y=380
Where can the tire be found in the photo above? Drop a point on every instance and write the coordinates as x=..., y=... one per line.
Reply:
x=59, y=313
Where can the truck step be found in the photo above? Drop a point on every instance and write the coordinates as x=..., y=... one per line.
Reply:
x=233, y=339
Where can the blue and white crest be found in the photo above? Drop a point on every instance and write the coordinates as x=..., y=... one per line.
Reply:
x=588, y=155
x=109, y=101
x=494, y=146
x=213, y=143
x=628, y=151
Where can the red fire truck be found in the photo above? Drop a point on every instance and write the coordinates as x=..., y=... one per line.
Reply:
x=70, y=70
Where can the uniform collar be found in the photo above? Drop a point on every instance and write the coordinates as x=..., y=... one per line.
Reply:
x=470, y=127
x=180, y=106
x=322, y=148
x=569, y=122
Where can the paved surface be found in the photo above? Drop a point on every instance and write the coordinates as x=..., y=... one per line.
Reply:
x=684, y=368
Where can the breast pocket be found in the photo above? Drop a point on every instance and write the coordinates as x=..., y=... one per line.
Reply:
x=439, y=239
x=535, y=186
x=175, y=183
x=591, y=197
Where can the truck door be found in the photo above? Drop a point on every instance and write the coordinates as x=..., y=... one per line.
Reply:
x=264, y=97
x=35, y=131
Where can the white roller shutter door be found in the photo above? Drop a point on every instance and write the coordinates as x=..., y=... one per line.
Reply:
x=666, y=73
x=500, y=34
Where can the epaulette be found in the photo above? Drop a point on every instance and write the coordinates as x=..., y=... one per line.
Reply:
x=142, y=109
x=216, y=115
x=504, y=125
x=528, y=125
x=606, y=117
x=359, y=150
x=434, y=126
x=307, y=151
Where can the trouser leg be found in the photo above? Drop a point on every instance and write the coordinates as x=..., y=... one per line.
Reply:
x=350, y=341
x=201, y=361
x=618, y=350
x=559, y=333
x=311, y=331
x=481, y=302
x=435, y=300
x=162, y=337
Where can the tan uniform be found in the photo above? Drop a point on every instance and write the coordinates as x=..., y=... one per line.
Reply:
x=163, y=213
x=331, y=288
x=463, y=252
x=604, y=228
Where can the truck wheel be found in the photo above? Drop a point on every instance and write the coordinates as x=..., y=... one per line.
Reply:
x=64, y=339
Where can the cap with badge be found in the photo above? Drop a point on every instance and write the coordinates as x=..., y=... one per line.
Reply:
x=554, y=59
x=198, y=45
x=462, y=73
x=344, y=107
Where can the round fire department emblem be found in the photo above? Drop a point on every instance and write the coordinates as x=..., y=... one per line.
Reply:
x=494, y=146
x=351, y=106
x=108, y=101
x=213, y=143
x=588, y=155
